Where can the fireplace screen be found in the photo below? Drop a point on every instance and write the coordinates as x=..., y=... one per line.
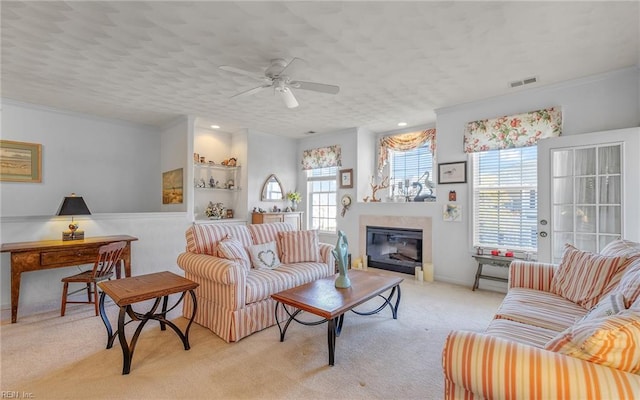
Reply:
x=394, y=249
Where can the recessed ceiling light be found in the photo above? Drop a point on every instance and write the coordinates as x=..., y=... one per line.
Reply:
x=215, y=126
x=402, y=124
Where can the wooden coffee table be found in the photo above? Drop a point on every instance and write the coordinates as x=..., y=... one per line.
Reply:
x=323, y=299
x=126, y=292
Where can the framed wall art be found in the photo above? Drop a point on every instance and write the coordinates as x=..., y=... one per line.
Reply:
x=453, y=172
x=346, y=178
x=20, y=161
x=172, y=187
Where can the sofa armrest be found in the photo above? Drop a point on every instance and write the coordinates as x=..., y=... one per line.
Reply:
x=493, y=368
x=219, y=270
x=531, y=275
x=326, y=255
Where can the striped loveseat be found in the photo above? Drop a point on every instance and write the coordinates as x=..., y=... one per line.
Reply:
x=234, y=298
x=567, y=331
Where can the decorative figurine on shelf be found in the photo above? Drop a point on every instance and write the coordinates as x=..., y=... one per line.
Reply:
x=215, y=211
x=294, y=198
x=212, y=182
x=375, y=187
x=232, y=162
x=202, y=183
x=341, y=254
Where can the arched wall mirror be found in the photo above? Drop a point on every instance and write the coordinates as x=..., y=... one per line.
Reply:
x=272, y=189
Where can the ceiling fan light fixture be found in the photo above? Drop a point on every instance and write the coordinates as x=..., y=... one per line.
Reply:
x=402, y=124
x=288, y=97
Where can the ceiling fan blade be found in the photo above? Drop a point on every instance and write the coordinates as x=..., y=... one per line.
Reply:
x=239, y=71
x=316, y=87
x=288, y=97
x=251, y=91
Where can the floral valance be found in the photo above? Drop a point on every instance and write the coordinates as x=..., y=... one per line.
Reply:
x=321, y=157
x=404, y=142
x=520, y=130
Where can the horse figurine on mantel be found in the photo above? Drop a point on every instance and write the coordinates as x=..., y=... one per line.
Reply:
x=341, y=253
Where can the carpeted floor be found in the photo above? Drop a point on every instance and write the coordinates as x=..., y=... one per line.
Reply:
x=45, y=356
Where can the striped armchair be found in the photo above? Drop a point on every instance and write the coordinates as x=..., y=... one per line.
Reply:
x=234, y=299
x=541, y=345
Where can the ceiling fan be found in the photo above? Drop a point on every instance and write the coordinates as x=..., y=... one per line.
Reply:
x=277, y=76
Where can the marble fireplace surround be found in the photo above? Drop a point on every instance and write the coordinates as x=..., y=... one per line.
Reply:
x=395, y=221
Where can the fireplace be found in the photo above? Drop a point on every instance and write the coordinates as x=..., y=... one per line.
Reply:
x=394, y=249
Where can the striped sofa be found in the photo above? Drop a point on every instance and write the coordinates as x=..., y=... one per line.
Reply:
x=540, y=345
x=234, y=299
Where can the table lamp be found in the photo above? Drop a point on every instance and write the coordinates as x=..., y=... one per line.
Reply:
x=73, y=205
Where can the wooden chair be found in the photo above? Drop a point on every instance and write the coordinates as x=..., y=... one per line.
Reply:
x=108, y=258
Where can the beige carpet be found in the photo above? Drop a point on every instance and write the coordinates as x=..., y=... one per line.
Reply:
x=45, y=356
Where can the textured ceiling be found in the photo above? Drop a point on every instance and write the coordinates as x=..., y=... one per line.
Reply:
x=149, y=62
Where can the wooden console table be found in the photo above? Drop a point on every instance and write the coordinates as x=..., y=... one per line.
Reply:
x=48, y=254
x=496, y=261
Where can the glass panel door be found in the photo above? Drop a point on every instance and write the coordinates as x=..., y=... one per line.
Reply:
x=586, y=197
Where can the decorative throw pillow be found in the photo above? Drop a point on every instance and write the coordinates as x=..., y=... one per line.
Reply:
x=264, y=256
x=582, y=276
x=299, y=246
x=609, y=305
x=629, y=286
x=613, y=341
x=232, y=249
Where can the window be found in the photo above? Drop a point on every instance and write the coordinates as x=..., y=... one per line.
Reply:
x=321, y=188
x=505, y=198
x=407, y=167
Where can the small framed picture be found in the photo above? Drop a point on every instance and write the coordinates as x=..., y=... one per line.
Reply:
x=346, y=178
x=20, y=161
x=453, y=172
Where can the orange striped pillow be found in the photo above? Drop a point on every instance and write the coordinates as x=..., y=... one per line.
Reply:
x=299, y=246
x=582, y=276
x=613, y=341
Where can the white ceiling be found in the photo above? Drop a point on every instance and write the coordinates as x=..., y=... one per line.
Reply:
x=149, y=62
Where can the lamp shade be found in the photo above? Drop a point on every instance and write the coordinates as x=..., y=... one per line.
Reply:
x=73, y=205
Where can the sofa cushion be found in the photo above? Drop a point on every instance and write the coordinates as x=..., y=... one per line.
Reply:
x=264, y=256
x=609, y=304
x=264, y=233
x=299, y=246
x=629, y=286
x=262, y=283
x=204, y=238
x=539, y=308
x=583, y=276
x=305, y=272
x=621, y=247
x=232, y=249
x=613, y=341
x=522, y=333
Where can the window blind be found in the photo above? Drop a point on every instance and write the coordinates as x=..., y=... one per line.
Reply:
x=409, y=166
x=505, y=198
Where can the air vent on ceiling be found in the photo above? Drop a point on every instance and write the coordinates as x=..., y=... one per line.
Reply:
x=523, y=82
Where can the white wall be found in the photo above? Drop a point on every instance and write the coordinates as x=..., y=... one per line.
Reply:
x=174, y=151
x=598, y=103
x=113, y=165
x=270, y=154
